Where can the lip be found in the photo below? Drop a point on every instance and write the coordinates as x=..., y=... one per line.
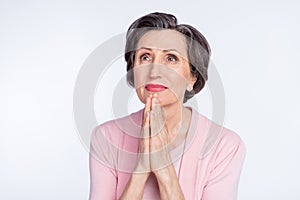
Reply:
x=155, y=87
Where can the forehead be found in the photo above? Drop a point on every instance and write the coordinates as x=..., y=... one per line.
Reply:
x=164, y=40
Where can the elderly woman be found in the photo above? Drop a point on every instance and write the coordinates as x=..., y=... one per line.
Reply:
x=157, y=152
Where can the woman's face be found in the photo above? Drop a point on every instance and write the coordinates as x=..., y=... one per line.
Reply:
x=161, y=66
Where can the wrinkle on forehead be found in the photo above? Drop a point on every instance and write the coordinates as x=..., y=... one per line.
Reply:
x=164, y=40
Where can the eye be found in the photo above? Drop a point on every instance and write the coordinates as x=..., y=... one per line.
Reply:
x=145, y=58
x=172, y=58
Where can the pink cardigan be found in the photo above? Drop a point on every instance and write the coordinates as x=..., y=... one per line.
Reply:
x=208, y=170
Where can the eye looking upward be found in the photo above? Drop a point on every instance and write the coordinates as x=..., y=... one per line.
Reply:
x=172, y=58
x=145, y=58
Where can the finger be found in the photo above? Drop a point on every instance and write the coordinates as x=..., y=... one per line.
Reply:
x=146, y=127
x=156, y=117
x=158, y=110
x=146, y=124
x=148, y=103
x=146, y=117
x=153, y=101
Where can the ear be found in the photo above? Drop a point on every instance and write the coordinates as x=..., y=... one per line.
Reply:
x=193, y=80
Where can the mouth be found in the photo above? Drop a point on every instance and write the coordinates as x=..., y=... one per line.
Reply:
x=155, y=87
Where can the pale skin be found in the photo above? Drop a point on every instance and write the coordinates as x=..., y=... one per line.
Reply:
x=163, y=127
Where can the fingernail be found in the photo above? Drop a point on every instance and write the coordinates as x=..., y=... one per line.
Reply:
x=154, y=100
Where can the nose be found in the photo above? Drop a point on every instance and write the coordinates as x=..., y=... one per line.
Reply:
x=154, y=71
x=155, y=68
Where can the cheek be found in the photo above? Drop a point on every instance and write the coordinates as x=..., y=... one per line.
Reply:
x=178, y=86
x=140, y=76
x=140, y=91
x=179, y=80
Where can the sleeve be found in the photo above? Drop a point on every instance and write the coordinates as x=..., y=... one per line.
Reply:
x=103, y=176
x=224, y=175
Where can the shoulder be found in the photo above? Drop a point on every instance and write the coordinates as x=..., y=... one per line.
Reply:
x=114, y=129
x=216, y=138
x=222, y=149
x=230, y=142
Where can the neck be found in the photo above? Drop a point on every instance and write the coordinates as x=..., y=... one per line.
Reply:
x=177, y=119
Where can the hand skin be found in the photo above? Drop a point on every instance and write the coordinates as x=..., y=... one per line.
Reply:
x=153, y=157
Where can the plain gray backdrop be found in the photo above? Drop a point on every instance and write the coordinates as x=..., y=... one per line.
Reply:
x=43, y=44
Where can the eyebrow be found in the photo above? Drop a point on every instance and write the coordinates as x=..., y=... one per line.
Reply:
x=165, y=50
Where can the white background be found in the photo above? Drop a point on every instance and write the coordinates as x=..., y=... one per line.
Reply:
x=43, y=44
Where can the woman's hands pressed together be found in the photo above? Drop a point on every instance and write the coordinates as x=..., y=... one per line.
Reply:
x=154, y=138
x=154, y=156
